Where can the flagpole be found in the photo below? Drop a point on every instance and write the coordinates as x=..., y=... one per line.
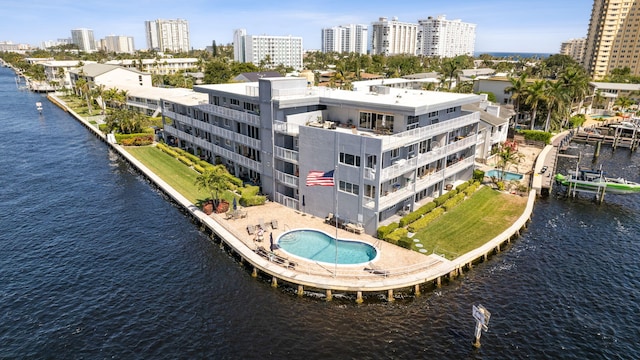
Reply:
x=335, y=194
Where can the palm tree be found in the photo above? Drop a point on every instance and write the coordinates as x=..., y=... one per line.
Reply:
x=556, y=96
x=623, y=103
x=98, y=93
x=597, y=98
x=517, y=88
x=507, y=156
x=450, y=67
x=214, y=180
x=533, y=95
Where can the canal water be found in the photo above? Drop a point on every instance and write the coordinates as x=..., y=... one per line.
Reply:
x=95, y=263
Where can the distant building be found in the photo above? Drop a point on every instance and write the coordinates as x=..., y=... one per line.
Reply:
x=574, y=48
x=168, y=35
x=8, y=46
x=83, y=38
x=255, y=76
x=345, y=39
x=613, y=38
x=166, y=66
x=274, y=50
x=445, y=38
x=57, y=71
x=110, y=76
x=118, y=44
x=393, y=37
x=58, y=42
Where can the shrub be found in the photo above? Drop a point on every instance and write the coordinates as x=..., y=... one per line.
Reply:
x=536, y=135
x=409, y=218
x=577, y=120
x=405, y=242
x=386, y=229
x=198, y=168
x=136, y=140
x=442, y=198
x=185, y=160
x=396, y=235
x=500, y=185
x=427, y=207
x=463, y=186
x=471, y=189
x=425, y=220
x=451, y=203
x=250, y=196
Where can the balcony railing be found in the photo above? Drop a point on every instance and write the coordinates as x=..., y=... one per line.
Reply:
x=286, y=128
x=421, y=133
x=217, y=150
x=286, y=154
x=232, y=114
x=287, y=201
x=288, y=179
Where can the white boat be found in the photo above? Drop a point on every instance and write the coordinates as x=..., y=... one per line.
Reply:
x=39, y=107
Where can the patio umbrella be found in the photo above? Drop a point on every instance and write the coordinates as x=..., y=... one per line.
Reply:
x=273, y=247
x=235, y=204
x=303, y=204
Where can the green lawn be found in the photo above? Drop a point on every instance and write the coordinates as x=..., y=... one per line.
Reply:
x=175, y=173
x=471, y=224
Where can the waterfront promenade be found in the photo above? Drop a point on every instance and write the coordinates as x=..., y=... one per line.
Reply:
x=417, y=270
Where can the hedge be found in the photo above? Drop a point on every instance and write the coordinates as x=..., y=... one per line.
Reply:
x=536, y=135
x=451, y=203
x=185, y=160
x=250, y=196
x=443, y=198
x=471, y=189
x=396, y=235
x=417, y=214
x=462, y=186
x=425, y=220
x=386, y=229
x=405, y=242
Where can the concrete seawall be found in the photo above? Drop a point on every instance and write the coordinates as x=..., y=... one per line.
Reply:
x=414, y=280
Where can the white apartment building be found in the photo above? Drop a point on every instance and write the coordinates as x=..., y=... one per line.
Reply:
x=164, y=66
x=285, y=50
x=118, y=44
x=57, y=71
x=393, y=37
x=445, y=38
x=167, y=35
x=83, y=38
x=345, y=39
x=391, y=149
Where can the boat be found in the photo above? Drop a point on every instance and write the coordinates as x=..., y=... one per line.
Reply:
x=39, y=107
x=595, y=180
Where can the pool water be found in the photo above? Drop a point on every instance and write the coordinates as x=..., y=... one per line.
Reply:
x=319, y=246
x=509, y=176
x=600, y=116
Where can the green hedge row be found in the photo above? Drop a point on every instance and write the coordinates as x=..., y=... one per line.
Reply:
x=444, y=197
x=405, y=242
x=471, y=189
x=536, y=135
x=385, y=230
x=396, y=235
x=425, y=220
x=417, y=214
x=250, y=196
x=451, y=203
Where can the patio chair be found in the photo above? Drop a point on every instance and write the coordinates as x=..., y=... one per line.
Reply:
x=251, y=229
x=274, y=224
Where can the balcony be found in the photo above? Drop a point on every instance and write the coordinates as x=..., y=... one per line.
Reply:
x=286, y=154
x=287, y=179
x=421, y=133
x=286, y=128
x=232, y=114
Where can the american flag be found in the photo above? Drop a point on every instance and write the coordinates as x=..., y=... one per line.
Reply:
x=320, y=178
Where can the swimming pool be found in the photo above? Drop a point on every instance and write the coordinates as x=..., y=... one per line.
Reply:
x=507, y=175
x=319, y=246
x=600, y=116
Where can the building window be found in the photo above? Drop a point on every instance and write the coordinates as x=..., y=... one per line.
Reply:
x=234, y=101
x=349, y=159
x=349, y=188
x=369, y=191
x=372, y=160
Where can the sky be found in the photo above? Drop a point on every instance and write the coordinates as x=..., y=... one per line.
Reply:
x=534, y=26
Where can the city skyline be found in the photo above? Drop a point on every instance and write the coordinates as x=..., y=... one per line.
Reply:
x=540, y=27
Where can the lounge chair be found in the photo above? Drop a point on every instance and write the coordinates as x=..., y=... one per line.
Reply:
x=274, y=224
x=251, y=229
